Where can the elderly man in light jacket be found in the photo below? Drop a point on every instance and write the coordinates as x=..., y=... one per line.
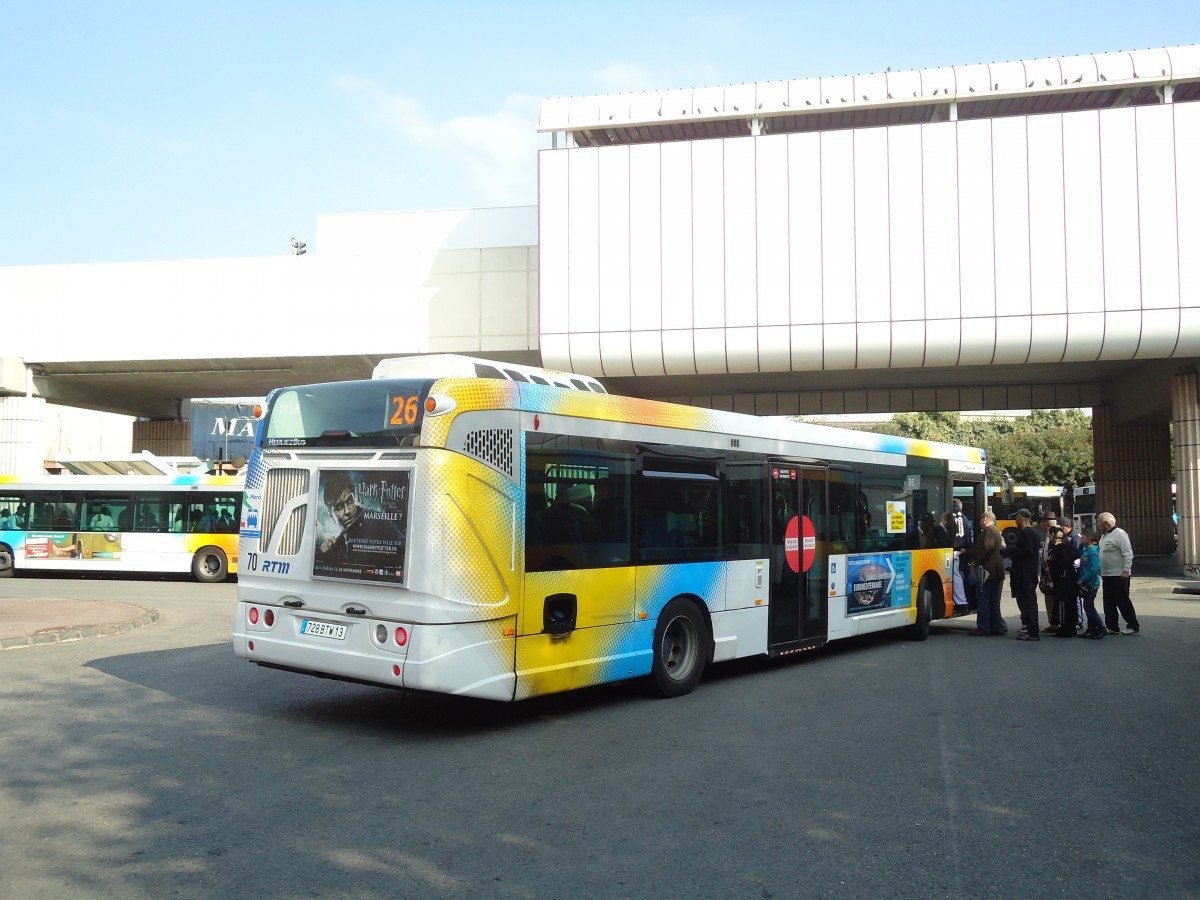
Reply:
x=1116, y=561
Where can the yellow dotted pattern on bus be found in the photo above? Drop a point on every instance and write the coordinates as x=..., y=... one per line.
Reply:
x=469, y=394
x=934, y=561
x=484, y=393
x=475, y=506
x=591, y=653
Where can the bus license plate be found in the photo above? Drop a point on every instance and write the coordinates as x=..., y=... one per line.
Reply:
x=323, y=629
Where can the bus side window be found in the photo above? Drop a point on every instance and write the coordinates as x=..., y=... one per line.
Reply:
x=12, y=512
x=147, y=516
x=43, y=516
x=744, y=490
x=66, y=516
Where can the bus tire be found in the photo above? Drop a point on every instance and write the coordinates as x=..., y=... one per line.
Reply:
x=680, y=648
x=209, y=565
x=6, y=561
x=919, y=630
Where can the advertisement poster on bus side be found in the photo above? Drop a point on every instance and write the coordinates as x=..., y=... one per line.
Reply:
x=878, y=581
x=362, y=525
x=72, y=545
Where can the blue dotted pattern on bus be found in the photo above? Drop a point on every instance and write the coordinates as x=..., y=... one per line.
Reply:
x=657, y=586
x=256, y=475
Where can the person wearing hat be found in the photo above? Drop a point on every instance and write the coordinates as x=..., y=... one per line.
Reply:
x=1026, y=556
x=1049, y=523
x=1062, y=560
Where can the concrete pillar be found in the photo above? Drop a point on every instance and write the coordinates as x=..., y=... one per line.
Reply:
x=163, y=437
x=1133, y=480
x=22, y=435
x=1185, y=409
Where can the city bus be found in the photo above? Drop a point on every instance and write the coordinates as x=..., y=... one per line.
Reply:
x=1038, y=499
x=121, y=523
x=1085, y=507
x=503, y=532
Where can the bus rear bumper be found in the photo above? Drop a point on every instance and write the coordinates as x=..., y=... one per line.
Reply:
x=473, y=659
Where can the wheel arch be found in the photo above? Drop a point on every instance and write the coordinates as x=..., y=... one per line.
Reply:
x=204, y=574
x=937, y=587
x=705, y=613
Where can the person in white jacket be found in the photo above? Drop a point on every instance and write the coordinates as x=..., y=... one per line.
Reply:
x=1116, y=561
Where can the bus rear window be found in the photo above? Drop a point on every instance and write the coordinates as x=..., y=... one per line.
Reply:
x=383, y=413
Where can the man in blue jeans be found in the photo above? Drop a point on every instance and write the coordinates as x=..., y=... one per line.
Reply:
x=987, y=554
x=1026, y=556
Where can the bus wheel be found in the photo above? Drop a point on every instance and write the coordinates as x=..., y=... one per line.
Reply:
x=6, y=561
x=209, y=565
x=680, y=649
x=919, y=630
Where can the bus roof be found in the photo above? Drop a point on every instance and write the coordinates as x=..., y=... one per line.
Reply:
x=453, y=365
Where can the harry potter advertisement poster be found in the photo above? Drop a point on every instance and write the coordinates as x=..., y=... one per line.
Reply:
x=361, y=524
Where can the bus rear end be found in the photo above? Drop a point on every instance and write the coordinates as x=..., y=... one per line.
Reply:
x=370, y=555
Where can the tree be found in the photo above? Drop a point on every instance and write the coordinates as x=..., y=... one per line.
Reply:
x=1049, y=446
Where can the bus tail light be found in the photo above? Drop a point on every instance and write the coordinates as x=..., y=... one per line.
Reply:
x=269, y=617
x=401, y=636
x=438, y=404
x=253, y=615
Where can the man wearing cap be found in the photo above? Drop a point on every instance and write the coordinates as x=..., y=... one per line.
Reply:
x=1026, y=556
x=1049, y=523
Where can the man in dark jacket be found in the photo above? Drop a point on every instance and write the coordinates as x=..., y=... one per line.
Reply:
x=1026, y=554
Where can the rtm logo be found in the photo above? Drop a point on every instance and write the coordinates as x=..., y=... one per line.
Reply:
x=233, y=429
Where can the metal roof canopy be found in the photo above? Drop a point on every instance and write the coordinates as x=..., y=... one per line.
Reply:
x=1022, y=87
x=144, y=463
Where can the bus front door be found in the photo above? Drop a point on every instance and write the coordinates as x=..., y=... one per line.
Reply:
x=799, y=609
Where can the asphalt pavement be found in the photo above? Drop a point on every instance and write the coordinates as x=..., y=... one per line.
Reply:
x=30, y=621
x=155, y=763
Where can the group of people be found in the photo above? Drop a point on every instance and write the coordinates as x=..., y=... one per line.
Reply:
x=12, y=521
x=1065, y=567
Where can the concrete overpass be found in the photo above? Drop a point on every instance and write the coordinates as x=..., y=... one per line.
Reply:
x=1000, y=236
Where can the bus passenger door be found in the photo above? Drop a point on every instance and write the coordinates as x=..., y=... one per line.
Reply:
x=799, y=609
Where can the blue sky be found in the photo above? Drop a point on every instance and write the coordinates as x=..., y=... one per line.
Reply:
x=132, y=131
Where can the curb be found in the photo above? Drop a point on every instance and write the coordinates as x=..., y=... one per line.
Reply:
x=79, y=632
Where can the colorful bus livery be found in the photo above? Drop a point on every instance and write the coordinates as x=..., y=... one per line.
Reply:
x=121, y=523
x=513, y=538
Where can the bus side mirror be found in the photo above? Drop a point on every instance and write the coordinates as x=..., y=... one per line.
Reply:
x=1006, y=491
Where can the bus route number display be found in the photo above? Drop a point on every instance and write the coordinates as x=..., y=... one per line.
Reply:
x=403, y=410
